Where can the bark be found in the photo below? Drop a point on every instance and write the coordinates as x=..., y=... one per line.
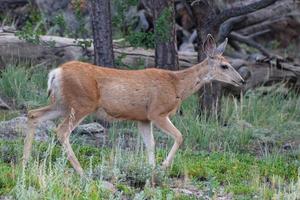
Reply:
x=165, y=36
x=280, y=8
x=102, y=32
x=210, y=95
x=242, y=10
x=262, y=22
x=208, y=20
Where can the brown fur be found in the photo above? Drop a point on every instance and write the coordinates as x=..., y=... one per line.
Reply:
x=147, y=96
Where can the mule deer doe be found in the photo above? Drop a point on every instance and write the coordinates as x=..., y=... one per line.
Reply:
x=148, y=96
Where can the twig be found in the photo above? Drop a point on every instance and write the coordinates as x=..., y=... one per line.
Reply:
x=259, y=33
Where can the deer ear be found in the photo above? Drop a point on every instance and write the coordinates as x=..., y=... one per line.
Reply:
x=221, y=48
x=209, y=46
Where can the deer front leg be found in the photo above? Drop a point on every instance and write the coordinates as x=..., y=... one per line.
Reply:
x=145, y=129
x=63, y=133
x=166, y=126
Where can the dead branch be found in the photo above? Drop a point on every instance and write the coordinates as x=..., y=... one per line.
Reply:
x=227, y=26
x=250, y=42
x=242, y=10
x=259, y=33
x=275, y=11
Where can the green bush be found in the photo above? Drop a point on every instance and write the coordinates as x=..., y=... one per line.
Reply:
x=141, y=39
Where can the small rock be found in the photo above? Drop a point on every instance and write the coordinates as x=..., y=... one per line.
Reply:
x=109, y=186
x=194, y=193
x=93, y=134
x=244, y=124
x=91, y=128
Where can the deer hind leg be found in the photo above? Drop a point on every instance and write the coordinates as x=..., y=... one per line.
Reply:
x=35, y=117
x=166, y=126
x=63, y=133
x=145, y=129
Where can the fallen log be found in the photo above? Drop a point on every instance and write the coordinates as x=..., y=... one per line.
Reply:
x=57, y=50
x=275, y=11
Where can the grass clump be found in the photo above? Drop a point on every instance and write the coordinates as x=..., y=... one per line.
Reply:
x=24, y=87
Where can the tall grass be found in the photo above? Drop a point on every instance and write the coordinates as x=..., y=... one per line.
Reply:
x=242, y=153
x=24, y=86
x=254, y=118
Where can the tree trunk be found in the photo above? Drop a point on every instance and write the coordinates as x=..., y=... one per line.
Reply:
x=210, y=95
x=102, y=32
x=165, y=37
x=208, y=19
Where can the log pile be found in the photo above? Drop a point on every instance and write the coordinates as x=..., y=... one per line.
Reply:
x=261, y=71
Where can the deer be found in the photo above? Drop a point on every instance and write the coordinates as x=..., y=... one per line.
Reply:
x=149, y=96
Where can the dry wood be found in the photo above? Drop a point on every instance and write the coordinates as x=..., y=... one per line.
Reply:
x=64, y=49
x=280, y=8
x=249, y=41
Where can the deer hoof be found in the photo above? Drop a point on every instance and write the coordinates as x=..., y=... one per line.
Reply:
x=31, y=115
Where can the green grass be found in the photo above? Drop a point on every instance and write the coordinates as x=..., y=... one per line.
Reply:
x=24, y=86
x=243, y=153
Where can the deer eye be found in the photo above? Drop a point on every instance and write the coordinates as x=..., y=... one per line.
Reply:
x=224, y=67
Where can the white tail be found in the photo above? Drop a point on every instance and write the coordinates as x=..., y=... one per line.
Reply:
x=148, y=96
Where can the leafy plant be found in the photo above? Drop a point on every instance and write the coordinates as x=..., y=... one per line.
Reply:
x=22, y=88
x=141, y=39
x=163, y=27
x=119, y=19
x=33, y=28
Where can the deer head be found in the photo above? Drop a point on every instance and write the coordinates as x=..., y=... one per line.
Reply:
x=219, y=68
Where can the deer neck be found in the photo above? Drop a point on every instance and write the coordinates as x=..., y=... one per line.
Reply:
x=192, y=79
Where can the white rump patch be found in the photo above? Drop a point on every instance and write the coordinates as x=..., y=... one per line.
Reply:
x=54, y=79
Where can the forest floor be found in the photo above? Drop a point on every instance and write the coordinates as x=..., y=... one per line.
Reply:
x=251, y=152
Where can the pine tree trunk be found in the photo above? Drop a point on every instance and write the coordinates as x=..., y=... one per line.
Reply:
x=165, y=36
x=210, y=95
x=102, y=32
